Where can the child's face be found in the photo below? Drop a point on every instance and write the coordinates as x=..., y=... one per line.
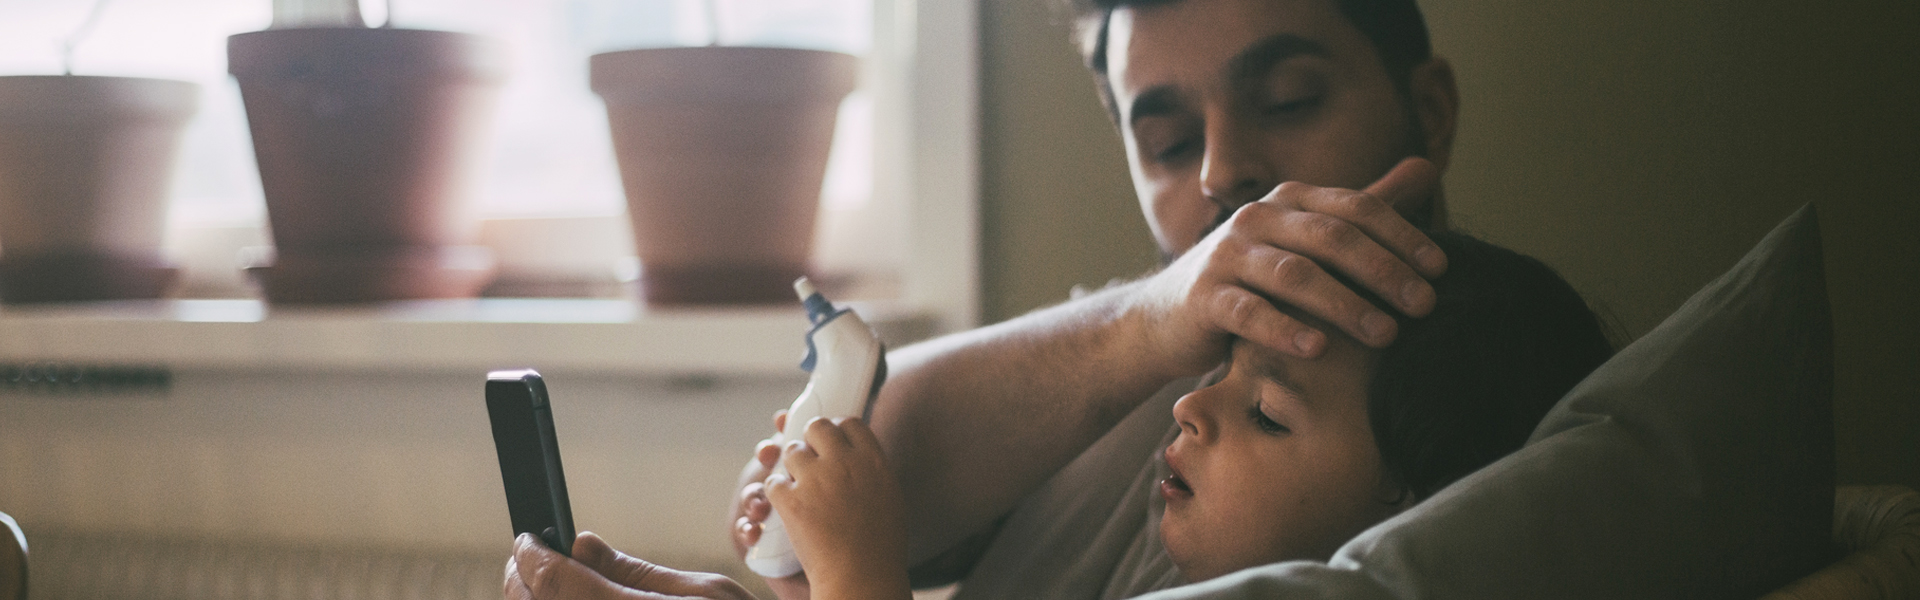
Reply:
x=1275, y=462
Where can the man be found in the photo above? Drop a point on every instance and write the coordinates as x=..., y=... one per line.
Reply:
x=1268, y=142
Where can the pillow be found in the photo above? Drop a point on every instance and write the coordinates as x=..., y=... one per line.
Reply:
x=1697, y=463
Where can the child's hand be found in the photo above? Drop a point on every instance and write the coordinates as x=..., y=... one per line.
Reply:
x=843, y=511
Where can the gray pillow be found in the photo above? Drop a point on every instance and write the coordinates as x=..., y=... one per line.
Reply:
x=1697, y=463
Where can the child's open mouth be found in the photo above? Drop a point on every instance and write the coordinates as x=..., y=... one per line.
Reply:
x=1175, y=487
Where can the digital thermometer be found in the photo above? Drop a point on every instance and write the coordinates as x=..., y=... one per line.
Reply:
x=848, y=364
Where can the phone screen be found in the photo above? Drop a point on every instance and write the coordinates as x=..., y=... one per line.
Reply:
x=523, y=436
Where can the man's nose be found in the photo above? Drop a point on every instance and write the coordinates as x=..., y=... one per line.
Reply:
x=1233, y=170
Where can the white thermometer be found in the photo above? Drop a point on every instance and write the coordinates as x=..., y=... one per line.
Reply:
x=848, y=365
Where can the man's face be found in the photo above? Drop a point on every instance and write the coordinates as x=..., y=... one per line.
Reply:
x=1220, y=101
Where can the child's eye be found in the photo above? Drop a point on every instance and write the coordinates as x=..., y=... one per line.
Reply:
x=1265, y=424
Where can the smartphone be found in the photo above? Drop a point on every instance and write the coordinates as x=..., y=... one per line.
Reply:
x=530, y=457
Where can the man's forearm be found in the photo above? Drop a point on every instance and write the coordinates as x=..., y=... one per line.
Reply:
x=976, y=420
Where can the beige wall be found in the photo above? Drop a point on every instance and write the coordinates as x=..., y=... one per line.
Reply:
x=1057, y=208
x=1638, y=146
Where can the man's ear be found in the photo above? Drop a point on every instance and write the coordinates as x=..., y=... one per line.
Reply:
x=1436, y=102
x=1391, y=496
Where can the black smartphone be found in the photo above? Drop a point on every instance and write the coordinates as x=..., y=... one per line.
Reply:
x=530, y=457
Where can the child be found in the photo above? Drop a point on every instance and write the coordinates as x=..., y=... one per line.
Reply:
x=1278, y=458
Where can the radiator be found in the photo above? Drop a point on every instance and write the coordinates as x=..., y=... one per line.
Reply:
x=68, y=565
x=93, y=566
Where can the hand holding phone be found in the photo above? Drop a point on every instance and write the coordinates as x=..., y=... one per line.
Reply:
x=523, y=436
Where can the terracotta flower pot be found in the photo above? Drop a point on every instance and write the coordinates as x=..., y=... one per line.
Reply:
x=85, y=163
x=722, y=151
x=366, y=140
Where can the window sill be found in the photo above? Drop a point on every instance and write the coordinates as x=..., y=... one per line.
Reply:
x=611, y=337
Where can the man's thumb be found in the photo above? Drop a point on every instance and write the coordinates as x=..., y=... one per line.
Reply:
x=594, y=552
x=1410, y=184
x=635, y=573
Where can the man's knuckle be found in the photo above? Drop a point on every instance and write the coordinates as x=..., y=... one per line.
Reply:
x=1257, y=211
x=1237, y=223
x=1293, y=271
x=1361, y=205
x=1330, y=231
x=1227, y=255
x=547, y=579
x=644, y=575
x=1292, y=190
x=1240, y=310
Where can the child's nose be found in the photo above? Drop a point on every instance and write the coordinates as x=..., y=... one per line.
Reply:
x=1191, y=414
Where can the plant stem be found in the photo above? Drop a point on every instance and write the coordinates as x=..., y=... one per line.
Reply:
x=67, y=45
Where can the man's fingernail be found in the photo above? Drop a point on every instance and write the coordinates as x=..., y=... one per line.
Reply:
x=1429, y=257
x=1307, y=341
x=1413, y=294
x=1378, y=326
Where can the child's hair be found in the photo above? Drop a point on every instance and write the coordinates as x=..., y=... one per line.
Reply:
x=1468, y=384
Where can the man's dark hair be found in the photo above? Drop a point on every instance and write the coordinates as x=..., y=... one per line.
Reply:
x=1395, y=27
x=1468, y=384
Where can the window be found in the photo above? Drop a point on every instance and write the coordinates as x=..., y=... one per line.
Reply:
x=899, y=182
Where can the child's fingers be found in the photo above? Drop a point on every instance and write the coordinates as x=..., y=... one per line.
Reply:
x=767, y=452
x=749, y=531
x=797, y=452
x=859, y=434
x=826, y=436
x=782, y=491
x=799, y=459
x=753, y=501
x=778, y=486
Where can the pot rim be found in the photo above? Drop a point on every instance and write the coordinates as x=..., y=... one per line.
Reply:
x=358, y=51
x=723, y=74
x=46, y=96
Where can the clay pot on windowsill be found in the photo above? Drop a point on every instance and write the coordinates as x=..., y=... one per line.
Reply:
x=85, y=163
x=366, y=141
x=722, y=151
